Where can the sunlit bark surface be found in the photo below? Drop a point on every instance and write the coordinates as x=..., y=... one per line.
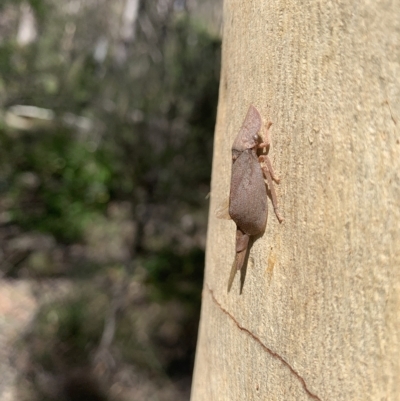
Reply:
x=318, y=315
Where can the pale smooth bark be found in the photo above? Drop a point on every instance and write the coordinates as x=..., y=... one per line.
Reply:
x=319, y=313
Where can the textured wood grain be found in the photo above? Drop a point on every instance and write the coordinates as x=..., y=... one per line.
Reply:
x=319, y=314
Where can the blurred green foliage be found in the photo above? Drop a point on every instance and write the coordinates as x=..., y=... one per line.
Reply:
x=151, y=119
x=70, y=182
x=133, y=124
x=172, y=275
x=62, y=331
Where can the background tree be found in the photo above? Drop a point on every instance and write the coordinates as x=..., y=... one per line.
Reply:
x=318, y=317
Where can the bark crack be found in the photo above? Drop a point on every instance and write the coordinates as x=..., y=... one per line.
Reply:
x=268, y=350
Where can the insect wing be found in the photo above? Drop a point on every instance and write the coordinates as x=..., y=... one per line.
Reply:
x=251, y=125
x=248, y=196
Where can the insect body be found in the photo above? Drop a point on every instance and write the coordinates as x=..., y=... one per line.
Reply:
x=248, y=193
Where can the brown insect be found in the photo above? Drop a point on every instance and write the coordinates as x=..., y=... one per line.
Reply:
x=248, y=193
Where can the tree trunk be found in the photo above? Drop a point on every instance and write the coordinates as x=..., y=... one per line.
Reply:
x=318, y=316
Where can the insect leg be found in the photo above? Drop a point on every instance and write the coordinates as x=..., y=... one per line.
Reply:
x=269, y=175
x=267, y=139
x=265, y=159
